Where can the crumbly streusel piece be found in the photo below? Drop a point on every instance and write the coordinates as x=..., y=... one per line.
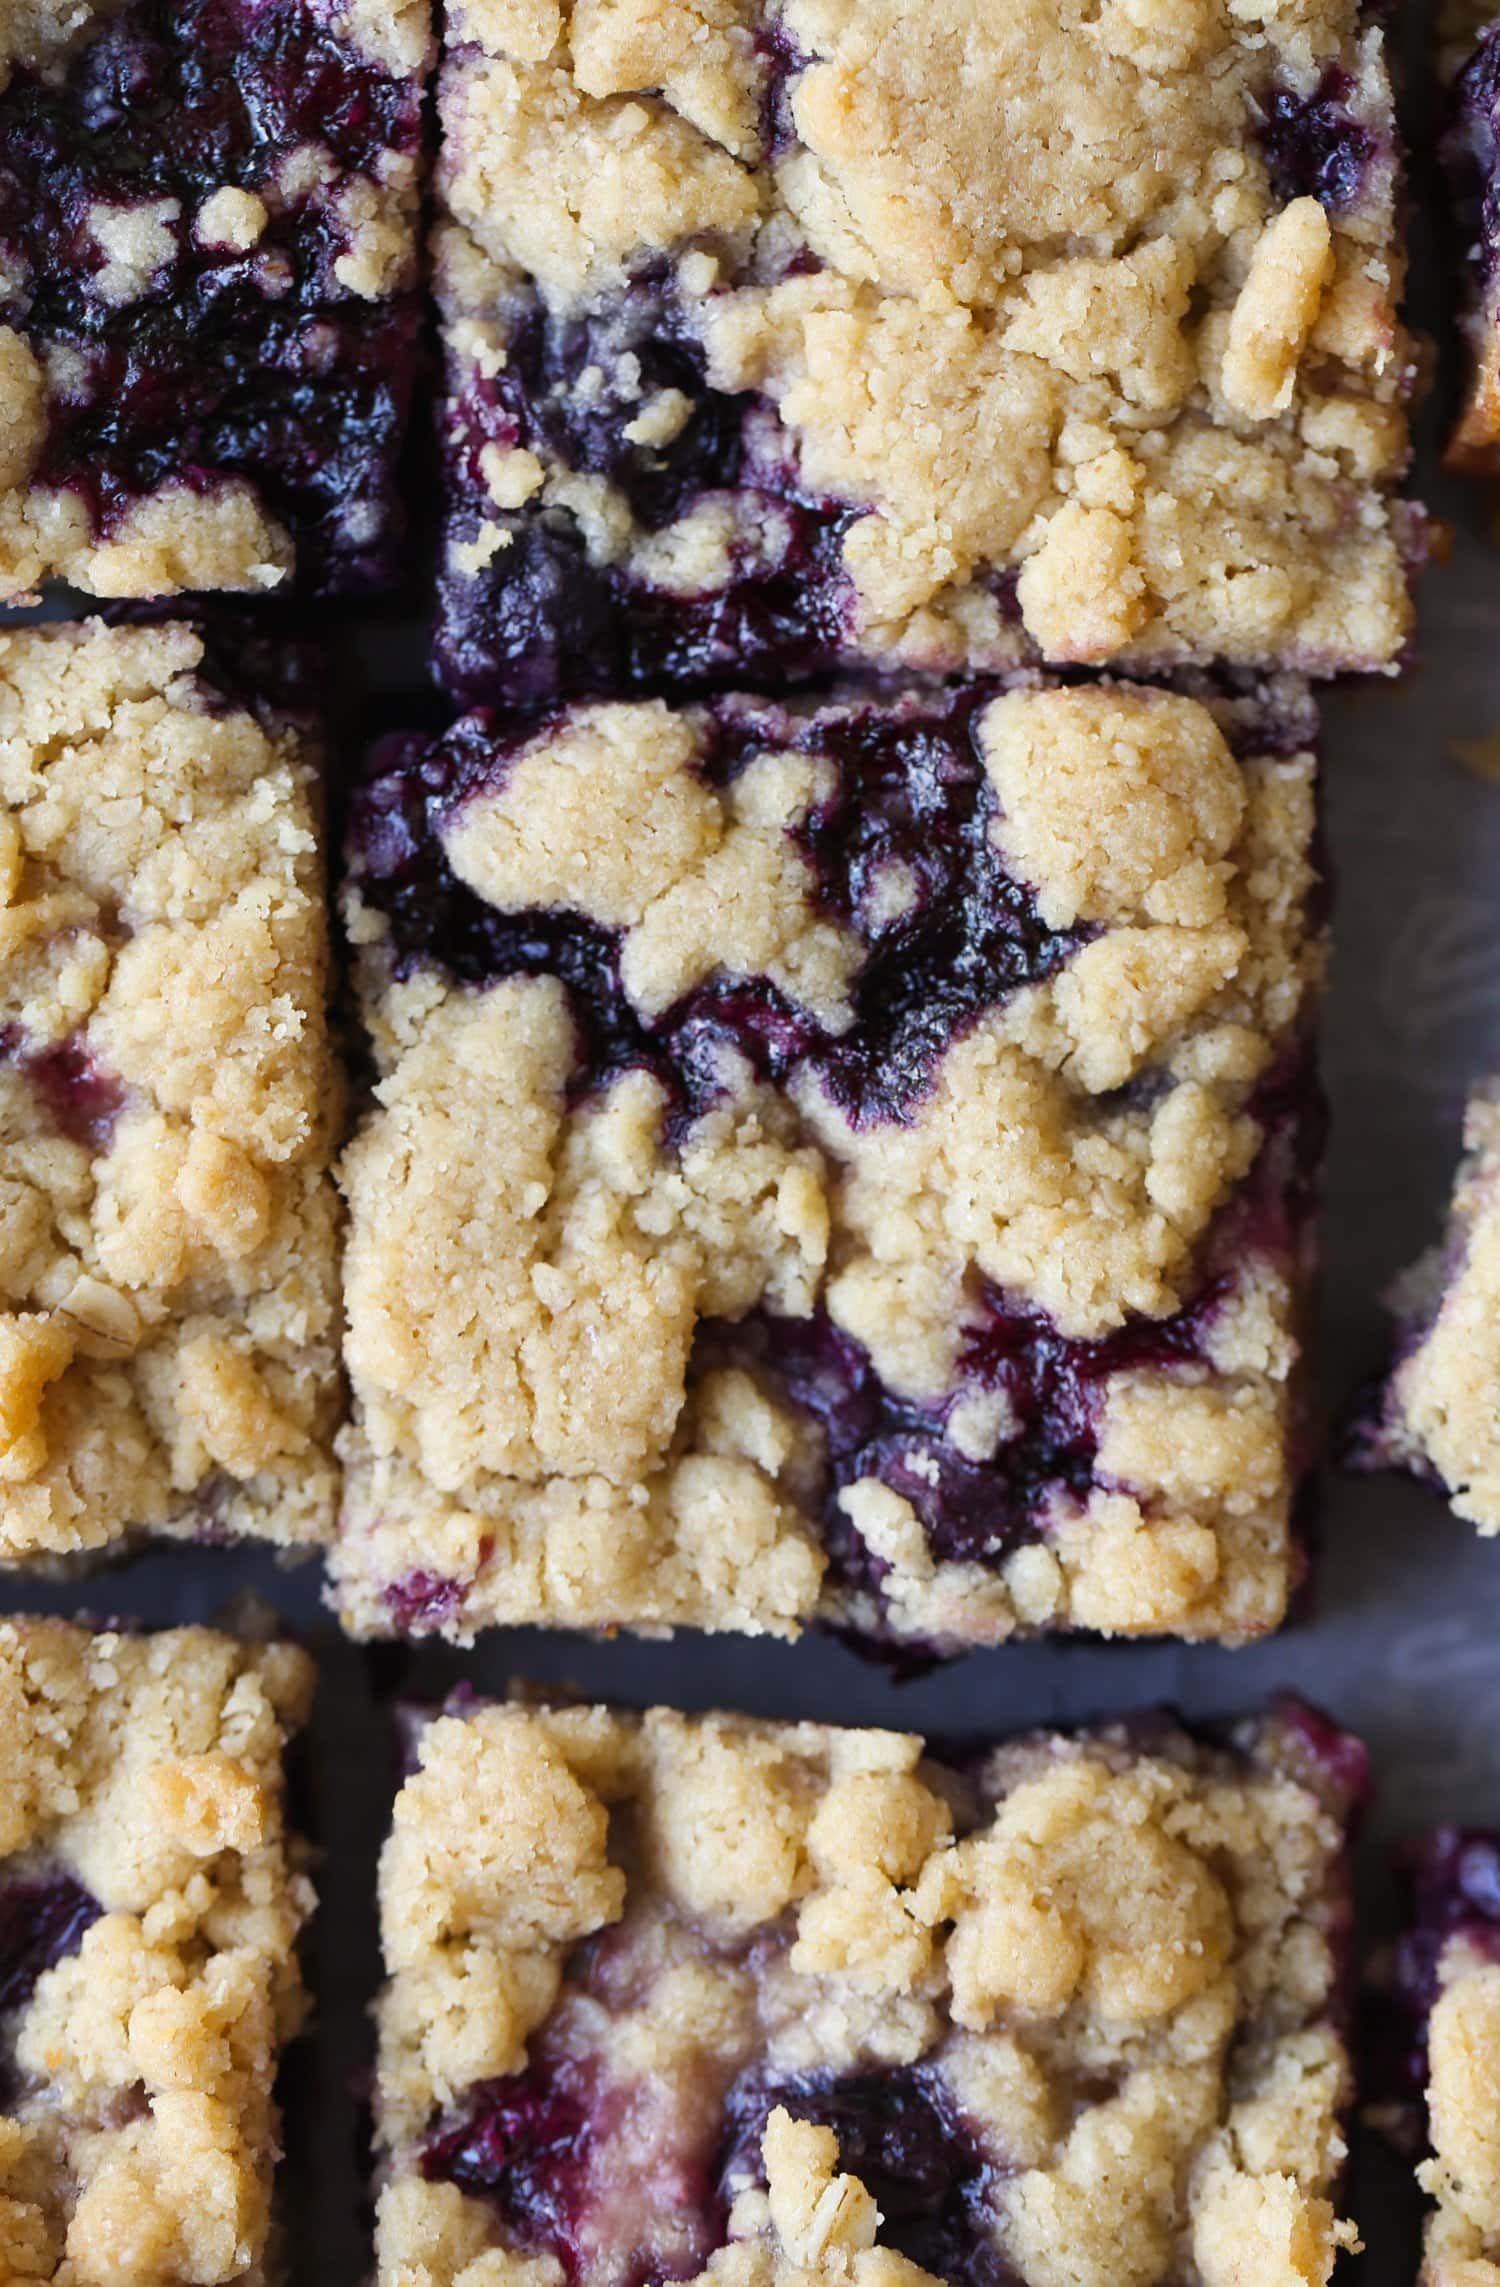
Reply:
x=849, y=1164
x=150, y=1905
x=168, y=1340
x=695, y=1997
x=1445, y=1996
x=783, y=333
x=209, y=315
x=1438, y=1413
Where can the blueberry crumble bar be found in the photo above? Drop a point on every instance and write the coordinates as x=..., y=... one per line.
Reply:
x=168, y=1295
x=702, y=1998
x=209, y=317
x=782, y=334
x=1438, y=1411
x=1471, y=157
x=850, y=1164
x=150, y=1905
x=1446, y=1993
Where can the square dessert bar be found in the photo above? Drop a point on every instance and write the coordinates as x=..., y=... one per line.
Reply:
x=783, y=334
x=852, y=1163
x=1446, y=1991
x=168, y=1297
x=1471, y=157
x=150, y=1905
x=744, y=2003
x=1438, y=1412
x=209, y=316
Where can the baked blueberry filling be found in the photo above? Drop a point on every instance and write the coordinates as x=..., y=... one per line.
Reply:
x=80, y=1098
x=42, y=1921
x=1452, y=1882
x=1314, y=146
x=421, y=1603
x=227, y=362
x=541, y=2147
x=1471, y=155
x=524, y=2143
x=574, y=384
x=909, y=793
x=972, y=1510
x=540, y=618
x=901, y=2135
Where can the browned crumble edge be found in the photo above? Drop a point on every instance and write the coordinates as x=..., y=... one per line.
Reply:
x=1114, y=1963
x=141, y=1779
x=168, y=1105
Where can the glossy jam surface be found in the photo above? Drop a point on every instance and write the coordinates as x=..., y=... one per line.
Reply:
x=540, y=620
x=42, y=1921
x=256, y=363
x=901, y=2134
x=546, y=2148
x=1313, y=144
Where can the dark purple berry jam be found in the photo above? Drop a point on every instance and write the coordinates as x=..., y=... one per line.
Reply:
x=554, y=2152
x=1471, y=155
x=1452, y=1882
x=909, y=790
x=524, y=2143
x=1054, y=1387
x=42, y=1921
x=901, y=2135
x=422, y=1603
x=253, y=364
x=80, y=1099
x=972, y=1512
x=1314, y=146
x=784, y=62
x=1330, y=1760
x=540, y=621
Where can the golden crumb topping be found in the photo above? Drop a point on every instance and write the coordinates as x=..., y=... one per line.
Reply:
x=167, y=1305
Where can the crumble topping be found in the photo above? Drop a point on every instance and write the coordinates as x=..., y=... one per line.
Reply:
x=698, y=1973
x=735, y=1077
x=143, y=1788
x=1439, y=1412
x=167, y=1293
x=1137, y=359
